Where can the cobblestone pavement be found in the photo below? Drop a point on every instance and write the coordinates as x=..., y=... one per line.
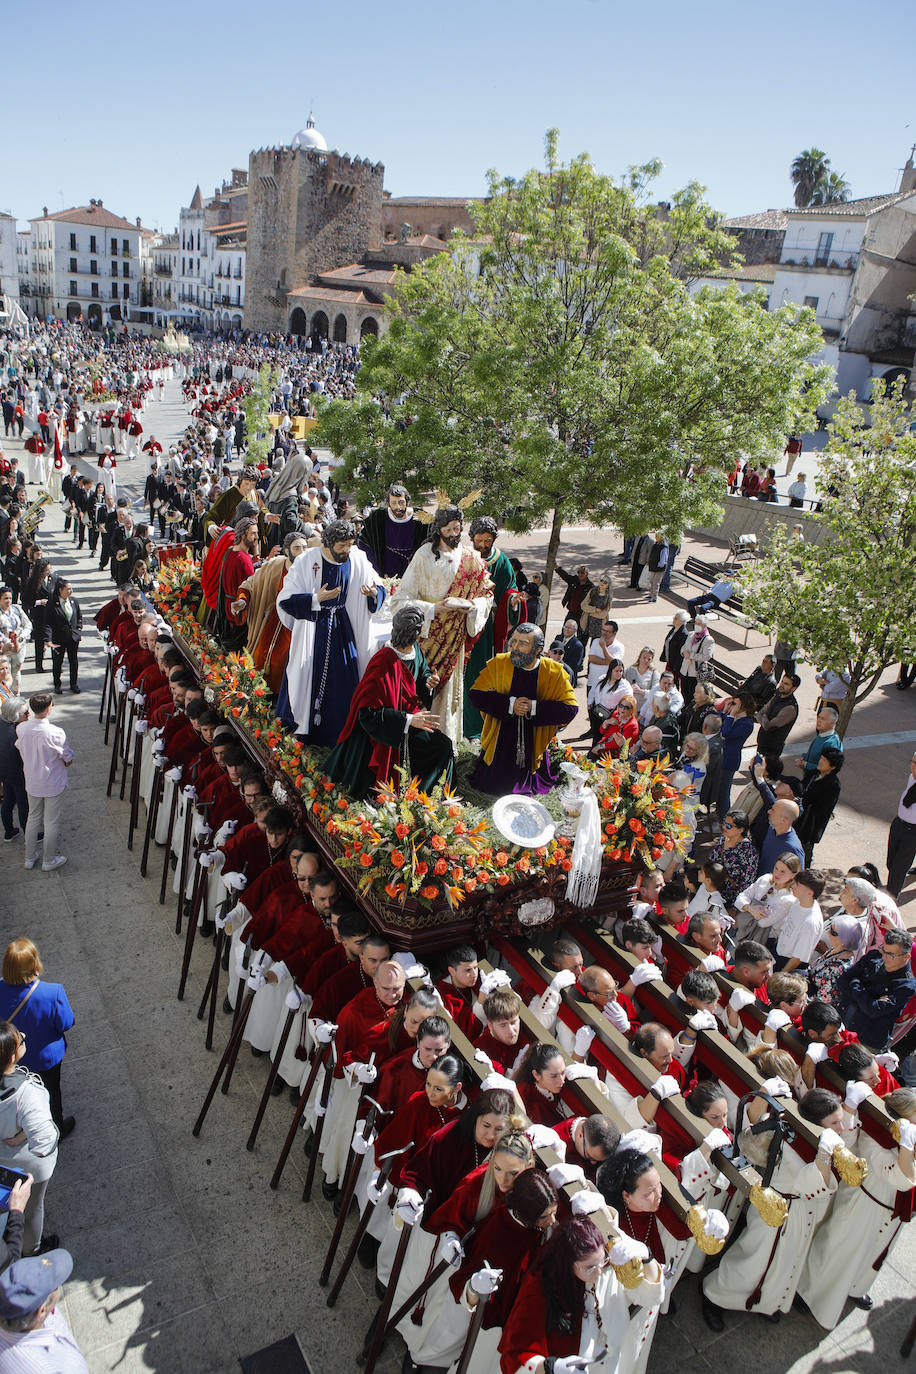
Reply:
x=185, y=1260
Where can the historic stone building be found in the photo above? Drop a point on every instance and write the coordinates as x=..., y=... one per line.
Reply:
x=310, y=211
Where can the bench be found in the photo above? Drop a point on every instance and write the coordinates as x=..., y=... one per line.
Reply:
x=725, y=677
x=704, y=575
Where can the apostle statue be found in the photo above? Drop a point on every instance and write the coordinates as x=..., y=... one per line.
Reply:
x=255, y=606
x=237, y=565
x=390, y=723
x=326, y=603
x=507, y=610
x=524, y=699
x=452, y=588
x=391, y=534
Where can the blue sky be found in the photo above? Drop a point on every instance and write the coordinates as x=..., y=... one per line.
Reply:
x=178, y=93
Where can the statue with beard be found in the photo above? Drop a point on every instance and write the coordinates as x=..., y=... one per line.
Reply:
x=524, y=700
x=451, y=587
x=390, y=724
x=392, y=533
x=326, y=603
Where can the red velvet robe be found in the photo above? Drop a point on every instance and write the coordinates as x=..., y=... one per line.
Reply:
x=441, y=1164
x=324, y=967
x=356, y=1019
x=399, y=1080
x=564, y=1130
x=312, y=946
x=541, y=1110
x=247, y=850
x=525, y=1335
x=504, y=1243
x=333, y=995
x=503, y=1056
x=458, y=1211
x=459, y=1003
x=412, y=1125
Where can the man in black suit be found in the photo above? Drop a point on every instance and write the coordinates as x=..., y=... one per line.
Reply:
x=65, y=622
x=573, y=650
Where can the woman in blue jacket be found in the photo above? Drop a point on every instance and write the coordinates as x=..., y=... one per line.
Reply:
x=39, y=1011
x=737, y=728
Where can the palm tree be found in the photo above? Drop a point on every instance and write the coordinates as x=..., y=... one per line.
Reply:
x=808, y=169
x=832, y=189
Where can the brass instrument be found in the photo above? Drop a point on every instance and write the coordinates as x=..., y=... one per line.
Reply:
x=34, y=512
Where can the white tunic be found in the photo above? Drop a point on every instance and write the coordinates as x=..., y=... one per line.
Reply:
x=769, y=1258
x=426, y=582
x=855, y=1234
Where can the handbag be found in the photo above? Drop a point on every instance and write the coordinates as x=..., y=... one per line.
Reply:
x=705, y=671
x=645, y=578
x=602, y=713
x=15, y=1012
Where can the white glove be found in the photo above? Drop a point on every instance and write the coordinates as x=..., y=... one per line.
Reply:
x=583, y=1041
x=498, y=978
x=140, y=699
x=416, y=971
x=485, y=1281
x=409, y=1206
x=717, y=1139
x=121, y=680
x=236, y=882
x=360, y=1144
x=174, y=774
x=325, y=1032
x=497, y=1080
x=158, y=747
x=160, y=761
x=641, y=1140
x=256, y=977
x=712, y=963
x=103, y=635
x=888, y=1061
x=564, y=979
x=570, y=1364
x=716, y=1224
x=293, y=999
x=816, y=1052
x=207, y=859
x=204, y=832
x=226, y=829
x=856, y=1093
x=561, y=1174
x=776, y=1087
x=363, y=1073
x=645, y=973
x=574, y=1071
x=665, y=1086
x=830, y=1141
x=320, y=1109
x=482, y=1058
x=132, y=694
x=221, y=922
x=586, y=1201
x=374, y=1193
x=545, y=1138
x=778, y=1020
x=741, y=998
x=703, y=1020
x=451, y=1249
x=907, y=1134
x=614, y=1012
x=141, y=727
x=190, y=791
x=625, y=1248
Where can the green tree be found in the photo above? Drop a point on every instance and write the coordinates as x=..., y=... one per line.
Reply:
x=561, y=362
x=850, y=602
x=832, y=189
x=807, y=172
x=257, y=408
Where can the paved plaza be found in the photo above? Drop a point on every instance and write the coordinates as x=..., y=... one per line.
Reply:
x=185, y=1261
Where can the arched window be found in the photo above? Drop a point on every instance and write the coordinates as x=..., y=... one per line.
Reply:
x=368, y=326
x=297, y=321
x=340, y=329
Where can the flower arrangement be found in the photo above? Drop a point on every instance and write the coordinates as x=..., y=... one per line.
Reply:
x=429, y=847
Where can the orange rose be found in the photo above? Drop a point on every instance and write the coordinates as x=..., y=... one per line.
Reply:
x=566, y=865
x=440, y=867
x=366, y=860
x=502, y=858
x=437, y=842
x=470, y=884
x=401, y=830
x=457, y=875
x=357, y=846
x=614, y=855
x=397, y=858
x=502, y=879
x=422, y=868
x=341, y=804
x=429, y=892
x=656, y=853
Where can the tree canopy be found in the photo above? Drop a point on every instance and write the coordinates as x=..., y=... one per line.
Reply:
x=256, y=406
x=814, y=180
x=850, y=602
x=565, y=361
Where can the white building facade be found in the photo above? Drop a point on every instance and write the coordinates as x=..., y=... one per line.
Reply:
x=86, y=264
x=209, y=289
x=9, y=270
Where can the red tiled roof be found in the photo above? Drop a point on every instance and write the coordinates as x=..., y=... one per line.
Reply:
x=89, y=214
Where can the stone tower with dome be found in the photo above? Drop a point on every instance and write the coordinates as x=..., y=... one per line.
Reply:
x=310, y=210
